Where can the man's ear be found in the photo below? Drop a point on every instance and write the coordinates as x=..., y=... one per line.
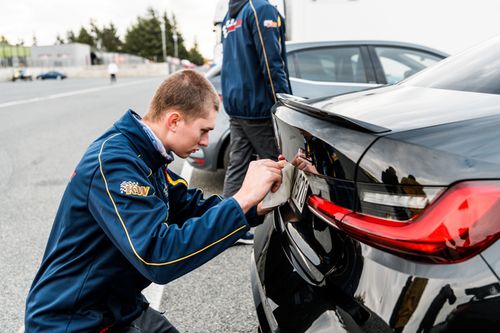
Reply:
x=172, y=120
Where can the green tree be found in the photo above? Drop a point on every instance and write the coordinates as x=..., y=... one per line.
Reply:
x=59, y=40
x=144, y=37
x=105, y=38
x=168, y=34
x=84, y=37
x=108, y=35
x=3, y=40
x=70, y=37
x=195, y=56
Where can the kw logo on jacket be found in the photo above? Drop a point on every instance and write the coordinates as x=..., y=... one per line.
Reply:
x=133, y=188
x=230, y=26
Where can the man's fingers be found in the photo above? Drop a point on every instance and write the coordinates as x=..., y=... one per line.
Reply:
x=275, y=186
x=282, y=163
x=275, y=171
x=273, y=164
x=276, y=182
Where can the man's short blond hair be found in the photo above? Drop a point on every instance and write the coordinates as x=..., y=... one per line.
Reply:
x=187, y=91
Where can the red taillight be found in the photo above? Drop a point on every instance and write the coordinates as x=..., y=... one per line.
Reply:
x=198, y=161
x=458, y=225
x=327, y=209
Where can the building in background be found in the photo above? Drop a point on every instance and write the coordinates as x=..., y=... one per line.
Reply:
x=105, y=58
x=14, y=55
x=63, y=55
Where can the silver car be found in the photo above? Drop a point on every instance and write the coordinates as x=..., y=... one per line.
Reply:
x=319, y=69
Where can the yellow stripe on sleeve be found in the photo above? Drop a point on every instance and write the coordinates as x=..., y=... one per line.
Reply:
x=126, y=230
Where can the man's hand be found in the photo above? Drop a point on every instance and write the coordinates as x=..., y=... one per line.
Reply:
x=262, y=176
x=263, y=211
x=302, y=163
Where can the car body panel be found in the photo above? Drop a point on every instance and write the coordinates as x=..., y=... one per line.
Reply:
x=474, y=153
x=422, y=106
x=315, y=272
x=315, y=89
x=381, y=293
x=294, y=46
x=211, y=157
x=490, y=256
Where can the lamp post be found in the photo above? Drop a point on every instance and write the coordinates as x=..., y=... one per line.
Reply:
x=164, y=46
x=98, y=46
x=163, y=42
x=174, y=36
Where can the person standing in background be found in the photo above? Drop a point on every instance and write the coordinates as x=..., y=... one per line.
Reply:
x=254, y=70
x=112, y=70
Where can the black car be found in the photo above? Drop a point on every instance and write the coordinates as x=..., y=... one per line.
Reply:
x=323, y=69
x=55, y=75
x=393, y=220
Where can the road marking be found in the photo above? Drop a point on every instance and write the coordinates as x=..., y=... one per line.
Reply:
x=154, y=292
x=187, y=171
x=70, y=93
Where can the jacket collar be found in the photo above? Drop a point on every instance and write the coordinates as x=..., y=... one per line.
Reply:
x=130, y=126
x=235, y=7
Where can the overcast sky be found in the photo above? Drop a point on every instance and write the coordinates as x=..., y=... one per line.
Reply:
x=20, y=19
x=448, y=25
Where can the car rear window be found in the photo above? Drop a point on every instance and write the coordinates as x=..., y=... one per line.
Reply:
x=476, y=70
x=328, y=64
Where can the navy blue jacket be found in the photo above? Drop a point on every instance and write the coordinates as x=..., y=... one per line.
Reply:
x=125, y=220
x=254, y=65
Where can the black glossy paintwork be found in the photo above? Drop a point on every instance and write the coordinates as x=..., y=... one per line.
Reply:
x=344, y=145
x=476, y=139
x=333, y=164
x=312, y=277
x=374, y=292
x=403, y=107
x=432, y=158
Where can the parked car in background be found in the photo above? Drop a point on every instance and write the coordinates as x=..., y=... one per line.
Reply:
x=393, y=221
x=22, y=75
x=324, y=69
x=51, y=75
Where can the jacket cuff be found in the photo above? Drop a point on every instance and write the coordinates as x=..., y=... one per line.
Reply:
x=252, y=218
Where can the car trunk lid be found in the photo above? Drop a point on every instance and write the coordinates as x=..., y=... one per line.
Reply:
x=404, y=107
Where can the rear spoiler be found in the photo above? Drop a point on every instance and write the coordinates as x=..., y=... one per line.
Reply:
x=297, y=103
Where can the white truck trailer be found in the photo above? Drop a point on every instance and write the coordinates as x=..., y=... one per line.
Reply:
x=447, y=25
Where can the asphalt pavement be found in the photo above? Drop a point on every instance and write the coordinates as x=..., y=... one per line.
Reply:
x=216, y=297
x=45, y=127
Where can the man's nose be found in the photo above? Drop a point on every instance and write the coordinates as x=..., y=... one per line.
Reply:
x=204, y=141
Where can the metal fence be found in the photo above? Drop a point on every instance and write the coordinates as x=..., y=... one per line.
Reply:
x=14, y=55
x=65, y=55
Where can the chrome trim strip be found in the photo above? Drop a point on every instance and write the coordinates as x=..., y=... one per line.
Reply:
x=323, y=217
